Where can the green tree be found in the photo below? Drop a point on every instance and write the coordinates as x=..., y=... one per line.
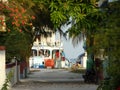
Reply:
x=17, y=45
x=18, y=38
x=85, y=17
x=108, y=38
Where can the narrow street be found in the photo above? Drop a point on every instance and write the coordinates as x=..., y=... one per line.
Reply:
x=53, y=79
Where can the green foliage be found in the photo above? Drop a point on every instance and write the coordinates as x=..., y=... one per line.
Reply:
x=7, y=80
x=42, y=14
x=19, y=36
x=17, y=45
x=108, y=38
x=57, y=17
x=69, y=8
x=104, y=85
x=101, y=28
x=51, y=13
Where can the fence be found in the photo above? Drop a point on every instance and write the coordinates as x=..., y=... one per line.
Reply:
x=19, y=70
x=15, y=69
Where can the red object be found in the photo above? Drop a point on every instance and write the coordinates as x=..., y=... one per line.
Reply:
x=118, y=88
x=23, y=65
x=63, y=58
x=20, y=30
x=10, y=65
x=2, y=47
x=49, y=63
x=33, y=17
x=57, y=54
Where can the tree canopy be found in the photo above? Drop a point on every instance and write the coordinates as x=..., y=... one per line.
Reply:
x=23, y=15
x=18, y=37
x=100, y=26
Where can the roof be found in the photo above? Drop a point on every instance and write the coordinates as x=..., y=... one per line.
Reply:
x=46, y=47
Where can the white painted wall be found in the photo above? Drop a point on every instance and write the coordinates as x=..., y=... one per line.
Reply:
x=84, y=61
x=70, y=50
x=2, y=68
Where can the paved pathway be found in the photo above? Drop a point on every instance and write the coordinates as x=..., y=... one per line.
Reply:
x=55, y=75
x=53, y=79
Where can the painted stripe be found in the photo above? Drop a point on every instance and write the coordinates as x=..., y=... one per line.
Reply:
x=2, y=47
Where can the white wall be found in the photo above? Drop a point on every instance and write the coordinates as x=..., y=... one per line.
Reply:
x=2, y=67
x=71, y=51
x=84, y=61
